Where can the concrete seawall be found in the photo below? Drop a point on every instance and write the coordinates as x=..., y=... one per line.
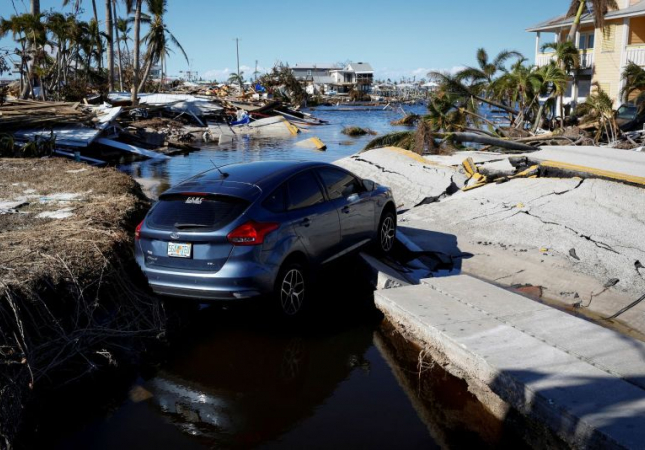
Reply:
x=584, y=382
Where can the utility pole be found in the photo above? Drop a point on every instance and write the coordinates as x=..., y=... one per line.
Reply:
x=256, y=70
x=237, y=51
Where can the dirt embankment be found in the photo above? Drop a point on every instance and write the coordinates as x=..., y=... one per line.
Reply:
x=69, y=302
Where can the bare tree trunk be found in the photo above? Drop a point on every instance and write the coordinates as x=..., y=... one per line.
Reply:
x=110, y=42
x=118, y=44
x=28, y=87
x=486, y=140
x=99, y=44
x=146, y=72
x=137, y=44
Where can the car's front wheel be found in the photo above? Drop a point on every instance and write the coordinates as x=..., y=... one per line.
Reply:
x=386, y=232
x=292, y=287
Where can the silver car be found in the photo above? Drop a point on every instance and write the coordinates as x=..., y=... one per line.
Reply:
x=260, y=229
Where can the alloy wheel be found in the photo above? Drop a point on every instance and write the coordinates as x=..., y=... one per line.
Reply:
x=388, y=232
x=292, y=292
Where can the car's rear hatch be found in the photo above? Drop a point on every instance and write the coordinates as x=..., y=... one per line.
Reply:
x=187, y=230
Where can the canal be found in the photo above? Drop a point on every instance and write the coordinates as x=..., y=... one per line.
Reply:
x=237, y=377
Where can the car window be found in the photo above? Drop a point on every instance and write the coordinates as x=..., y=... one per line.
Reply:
x=277, y=201
x=304, y=191
x=626, y=112
x=340, y=184
x=210, y=212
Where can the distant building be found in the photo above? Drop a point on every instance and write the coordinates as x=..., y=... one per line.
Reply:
x=326, y=78
x=318, y=74
x=359, y=76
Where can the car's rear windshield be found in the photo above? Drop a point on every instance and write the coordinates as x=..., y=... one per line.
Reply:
x=195, y=212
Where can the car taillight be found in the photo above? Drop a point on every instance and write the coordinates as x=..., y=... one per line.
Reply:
x=137, y=231
x=251, y=233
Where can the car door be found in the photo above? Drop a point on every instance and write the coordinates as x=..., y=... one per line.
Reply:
x=354, y=204
x=314, y=217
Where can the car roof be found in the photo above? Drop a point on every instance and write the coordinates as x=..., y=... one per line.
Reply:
x=245, y=178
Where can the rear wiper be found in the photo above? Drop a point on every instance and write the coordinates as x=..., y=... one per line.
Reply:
x=180, y=226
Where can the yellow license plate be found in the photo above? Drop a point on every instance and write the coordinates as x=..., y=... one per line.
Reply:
x=176, y=250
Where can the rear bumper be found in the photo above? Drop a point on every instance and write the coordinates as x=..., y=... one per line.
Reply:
x=203, y=294
x=236, y=280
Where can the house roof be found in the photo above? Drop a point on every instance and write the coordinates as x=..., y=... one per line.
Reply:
x=360, y=67
x=321, y=66
x=561, y=21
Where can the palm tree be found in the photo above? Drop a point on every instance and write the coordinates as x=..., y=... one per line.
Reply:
x=599, y=107
x=97, y=37
x=455, y=84
x=482, y=76
x=599, y=9
x=30, y=32
x=237, y=78
x=553, y=82
x=110, y=43
x=634, y=81
x=158, y=39
x=566, y=55
x=137, y=5
x=518, y=86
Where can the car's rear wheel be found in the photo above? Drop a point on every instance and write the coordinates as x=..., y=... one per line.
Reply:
x=292, y=289
x=386, y=232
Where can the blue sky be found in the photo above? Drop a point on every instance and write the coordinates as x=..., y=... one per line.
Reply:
x=403, y=38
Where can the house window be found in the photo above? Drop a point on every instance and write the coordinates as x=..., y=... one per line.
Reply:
x=609, y=38
x=586, y=41
x=309, y=73
x=584, y=88
x=637, y=31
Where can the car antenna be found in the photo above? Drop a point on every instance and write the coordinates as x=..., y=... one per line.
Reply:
x=224, y=174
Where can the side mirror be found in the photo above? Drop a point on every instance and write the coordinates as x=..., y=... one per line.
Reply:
x=369, y=185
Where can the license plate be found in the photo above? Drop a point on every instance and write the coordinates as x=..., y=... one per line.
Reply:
x=179, y=250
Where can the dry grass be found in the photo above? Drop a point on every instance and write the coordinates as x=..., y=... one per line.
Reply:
x=68, y=299
x=103, y=210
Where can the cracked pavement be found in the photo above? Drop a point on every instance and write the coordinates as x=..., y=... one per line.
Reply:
x=568, y=236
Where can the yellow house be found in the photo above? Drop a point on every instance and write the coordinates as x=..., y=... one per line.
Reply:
x=604, y=52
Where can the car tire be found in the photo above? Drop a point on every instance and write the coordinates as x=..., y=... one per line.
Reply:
x=386, y=233
x=292, y=290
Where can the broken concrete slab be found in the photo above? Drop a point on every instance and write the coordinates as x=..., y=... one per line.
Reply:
x=413, y=180
x=476, y=330
x=593, y=162
x=522, y=232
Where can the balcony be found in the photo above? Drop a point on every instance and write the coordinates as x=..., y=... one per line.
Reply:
x=586, y=59
x=636, y=53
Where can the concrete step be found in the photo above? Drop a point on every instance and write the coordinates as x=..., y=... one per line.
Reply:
x=583, y=381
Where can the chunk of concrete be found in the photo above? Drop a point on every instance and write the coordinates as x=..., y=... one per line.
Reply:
x=413, y=180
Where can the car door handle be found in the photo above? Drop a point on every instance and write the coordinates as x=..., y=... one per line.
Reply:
x=306, y=222
x=346, y=209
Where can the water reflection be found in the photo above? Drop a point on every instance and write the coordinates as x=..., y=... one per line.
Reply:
x=247, y=385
